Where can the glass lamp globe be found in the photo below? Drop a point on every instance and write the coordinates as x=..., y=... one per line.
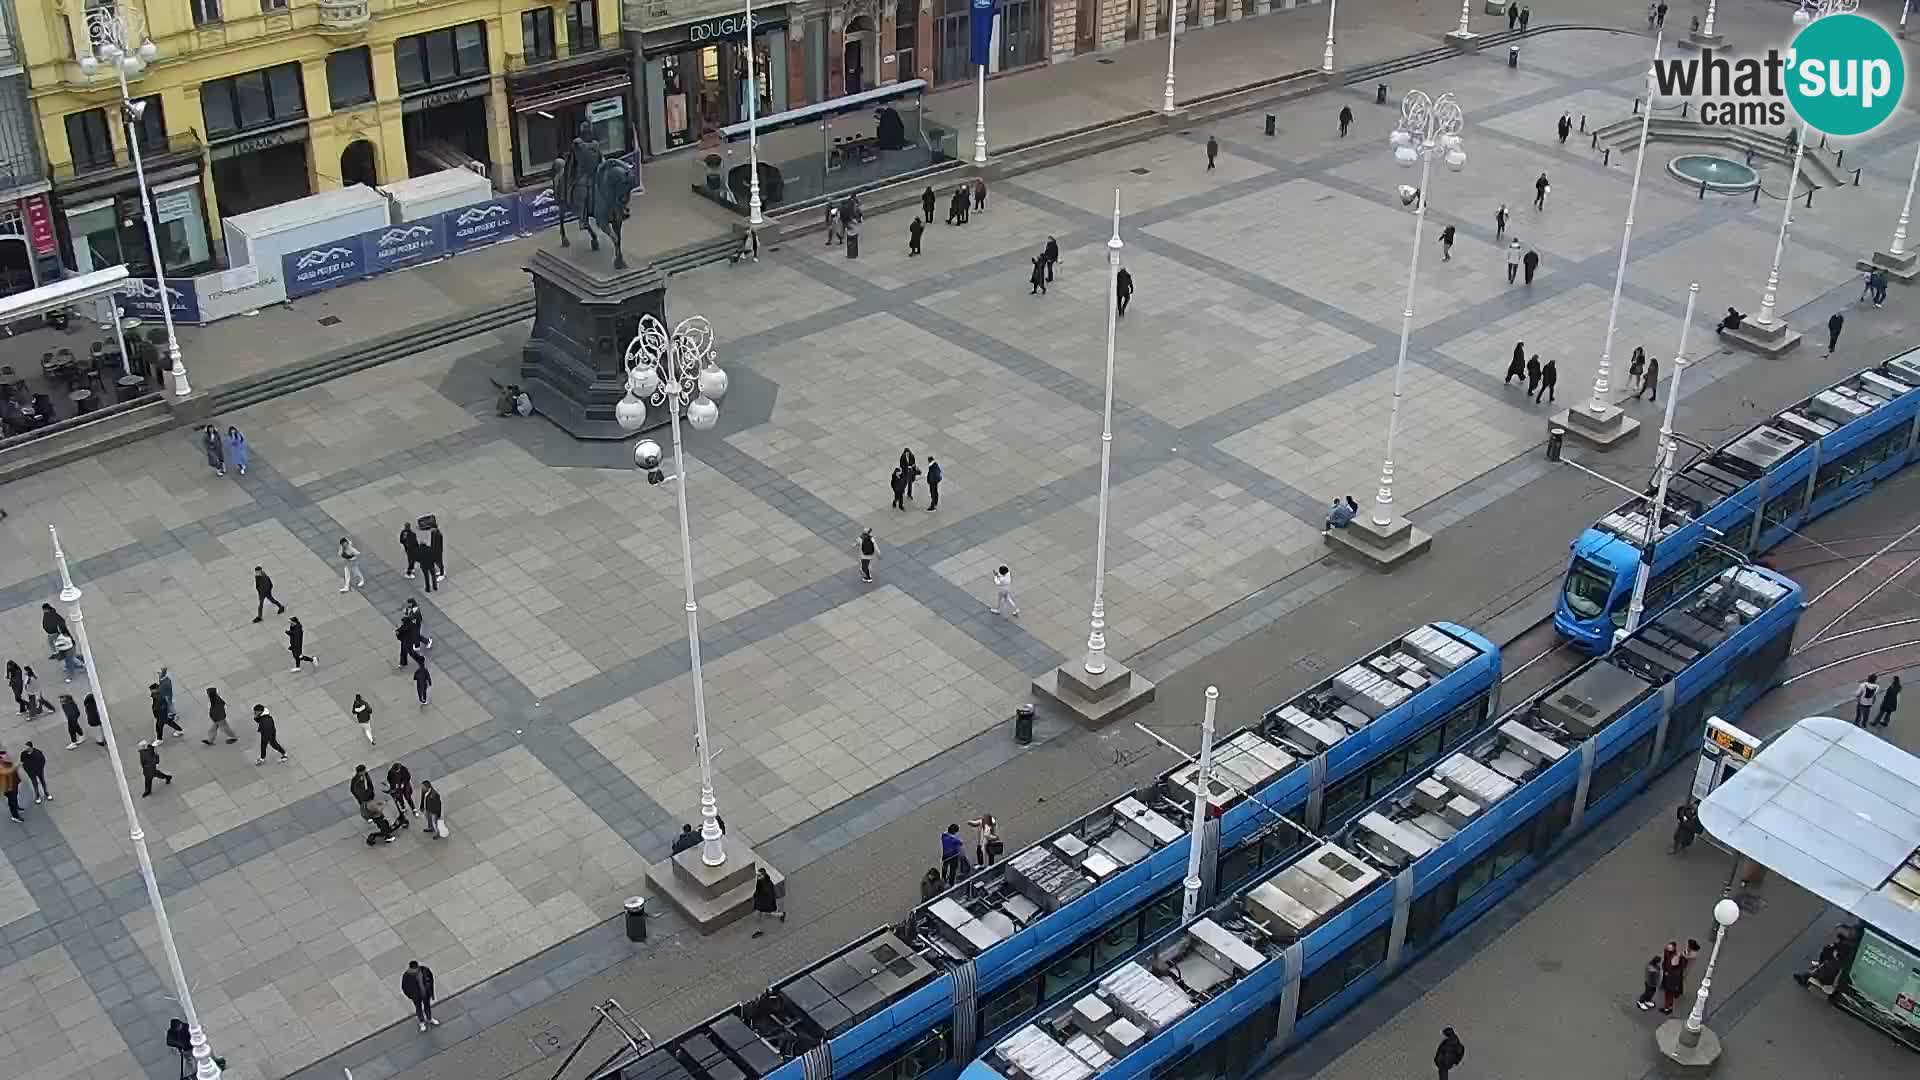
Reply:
x=702, y=413
x=630, y=413
x=1406, y=156
x=1801, y=18
x=643, y=381
x=1726, y=913
x=110, y=51
x=132, y=64
x=1456, y=159
x=88, y=65
x=149, y=51
x=1450, y=140
x=1400, y=138
x=713, y=382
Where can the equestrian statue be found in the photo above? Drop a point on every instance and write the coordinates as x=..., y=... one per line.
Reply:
x=593, y=187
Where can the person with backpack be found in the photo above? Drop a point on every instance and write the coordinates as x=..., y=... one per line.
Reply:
x=410, y=544
x=1450, y=1053
x=363, y=716
x=1889, y=701
x=1863, y=696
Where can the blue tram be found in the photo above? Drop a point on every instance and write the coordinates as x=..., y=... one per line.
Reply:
x=1748, y=494
x=1006, y=942
x=1223, y=996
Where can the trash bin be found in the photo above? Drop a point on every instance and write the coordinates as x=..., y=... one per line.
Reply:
x=1023, y=724
x=636, y=918
x=1270, y=125
x=1513, y=56
x=1380, y=94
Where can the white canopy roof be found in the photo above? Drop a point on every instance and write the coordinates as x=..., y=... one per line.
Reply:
x=63, y=293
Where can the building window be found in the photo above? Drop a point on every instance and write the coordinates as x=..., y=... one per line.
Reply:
x=349, y=77
x=205, y=12
x=270, y=6
x=536, y=35
x=254, y=100
x=441, y=56
x=88, y=138
x=151, y=128
x=906, y=33
x=583, y=27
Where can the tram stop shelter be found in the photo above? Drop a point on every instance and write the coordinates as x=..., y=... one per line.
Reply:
x=1836, y=810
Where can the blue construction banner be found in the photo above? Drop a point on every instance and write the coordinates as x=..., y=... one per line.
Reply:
x=322, y=267
x=482, y=223
x=408, y=244
x=539, y=209
x=141, y=298
x=981, y=20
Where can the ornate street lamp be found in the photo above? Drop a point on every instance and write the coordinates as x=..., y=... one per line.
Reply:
x=1808, y=11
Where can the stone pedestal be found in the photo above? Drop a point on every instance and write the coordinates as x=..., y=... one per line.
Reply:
x=585, y=313
x=1696, y=1060
x=1901, y=268
x=1602, y=430
x=1097, y=700
x=1776, y=340
x=1384, y=547
x=1696, y=40
x=712, y=896
x=1465, y=40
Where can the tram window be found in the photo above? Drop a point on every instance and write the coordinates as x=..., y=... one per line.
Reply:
x=1463, y=722
x=1117, y=940
x=1340, y=972
x=1512, y=849
x=1472, y=878
x=1551, y=822
x=1782, y=507
x=1684, y=728
x=1425, y=915
x=1344, y=798
x=1426, y=749
x=1238, y=864
x=1588, y=586
x=1065, y=973
x=1617, y=770
x=925, y=1056
x=1841, y=470
x=1162, y=912
x=1282, y=841
x=1386, y=773
x=1243, y=1045
x=1198, y=1063
x=1009, y=1005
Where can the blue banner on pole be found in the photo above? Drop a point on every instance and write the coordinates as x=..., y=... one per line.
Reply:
x=539, y=209
x=142, y=298
x=981, y=26
x=408, y=244
x=322, y=267
x=482, y=223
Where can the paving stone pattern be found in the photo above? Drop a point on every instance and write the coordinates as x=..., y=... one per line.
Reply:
x=1253, y=376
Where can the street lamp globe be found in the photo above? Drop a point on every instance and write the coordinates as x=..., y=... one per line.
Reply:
x=646, y=454
x=1726, y=913
x=110, y=51
x=149, y=51
x=630, y=413
x=1801, y=17
x=1456, y=158
x=702, y=413
x=1406, y=155
x=88, y=65
x=713, y=382
x=132, y=64
x=643, y=381
x=1400, y=138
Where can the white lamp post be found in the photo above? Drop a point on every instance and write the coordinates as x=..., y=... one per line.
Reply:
x=1176, y=10
x=119, y=37
x=1428, y=128
x=666, y=368
x=1809, y=10
x=1706, y=28
x=1326, y=58
x=1097, y=636
x=754, y=217
x=1663, y=468
x=1599, y=406
x=206, y=1066
x=1465, y=10
x=1725, y=914
x=1906, y=209
x=980, y=121
x=1202, y=790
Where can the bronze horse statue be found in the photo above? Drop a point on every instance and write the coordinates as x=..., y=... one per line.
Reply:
x=600, y=190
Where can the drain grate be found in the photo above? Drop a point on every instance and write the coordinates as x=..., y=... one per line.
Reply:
x=547, y=1041
x=330, y=320
x=1139, y=172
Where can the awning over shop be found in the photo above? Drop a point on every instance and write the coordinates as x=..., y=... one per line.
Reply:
x=837, y=106
x=66, y=292
x=1836, y=811
x=604, y=85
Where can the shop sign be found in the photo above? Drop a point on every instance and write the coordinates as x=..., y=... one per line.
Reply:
x=482, y=223
x=143, y=298
x=539, y=209
x=606, y=109
x=39, y=217
x=722, y=27
x=173, y=206
x=324, y=266
x=404, y=245
x=256, y=143
x=433, y=99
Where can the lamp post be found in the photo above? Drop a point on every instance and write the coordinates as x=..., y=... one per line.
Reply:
x=206, y=1066
x=1176, y=10
x=1906, y=209
x=1428, y=128
x=1599, y=406
x=666, y=368
x=1202, y=791
x=1097, y=635
x=754, y=217
x=1465, y=10
x=119, y=37
x=1706, y=28
x=1663, y=467
x=1808, y=11
x=1725, y=914
x=1326, y=58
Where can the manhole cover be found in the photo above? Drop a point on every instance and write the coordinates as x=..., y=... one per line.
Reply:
x=1139, y=172
x=547, y=1040
x=330, y=320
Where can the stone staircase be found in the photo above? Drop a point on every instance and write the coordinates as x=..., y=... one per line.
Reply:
x=1748, y=144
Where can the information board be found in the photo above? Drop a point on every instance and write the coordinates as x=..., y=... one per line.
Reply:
x=1885, y=979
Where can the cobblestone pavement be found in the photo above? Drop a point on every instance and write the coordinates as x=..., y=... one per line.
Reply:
x=1253, y=365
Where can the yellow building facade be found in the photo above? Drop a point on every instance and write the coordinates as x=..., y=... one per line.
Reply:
x=252, y=103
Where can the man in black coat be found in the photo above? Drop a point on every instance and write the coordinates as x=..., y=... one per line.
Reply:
x=1517, y=369
x=263, y=720
x=150, y=767
x=935, y=474
x=437, y=557
x=1529, y=264
x=54, y=626
x=1449, y=1054
x=263, y=588
x=417, y=985
x=926, y=204
x=1833, y=331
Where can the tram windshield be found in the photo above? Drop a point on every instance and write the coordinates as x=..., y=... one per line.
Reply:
x=1588, y=587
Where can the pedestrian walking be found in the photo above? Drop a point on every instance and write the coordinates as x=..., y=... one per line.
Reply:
x=16, y=682
x=410, y=544
x=33, y=762
x=269, y=734
x=1660, y=16
x=868, y=551
x=1889, y=701
x=1834, y=323
x=1879, y=288
x=93, y=719
x=926, y=204
x=410, y=613
x=436, y=555
x=1649, y=982
x=237, y=450
x=1863, y=696
x=979, y=195
x=350, y=566
x=1003, y=603
x=70, y=661
x=1039, y=276
x=75, y=733
x=1513, y=16
x=409, y=643
x=1446, y=244
x=296, y=644
x=1549, y=374
x=953, y=854
x=914, y=229
x=1866, y=287
x=217, y=718
x=1653, y=12
x=263, y=591
x=37, y=702
x=162, y=716
x=987, y=846
x=165, y=682
x=1686, y=826
x=360, y=785
x=434, y=823
x=422, y=682
x=1213, y=148
x=54, y=626
x=955, y=205
x=150, y=767
x=1533, y=374
x=417, y=985
x=1517, y=367
x=1450, y=1053
x=850, y=218
x=1528, y=265
x=833, y=224
x=909, y=469
x=1346, y=119
x=935, y=474
x=1540, y=189
x=1526, y=14
x=766, y=900
x=400, y=787
x=1123, y=290
x=1565, y=128
x=1650, y=383
x=363, y=716
x=10, y=785
x=898, y=481
x=1500, y=231
x=1637, y=369
x=216, y=449
x=1051, y=253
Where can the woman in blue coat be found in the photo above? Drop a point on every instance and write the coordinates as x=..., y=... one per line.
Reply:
x=237, y=451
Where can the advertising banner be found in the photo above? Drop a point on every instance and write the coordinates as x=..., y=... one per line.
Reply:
x=411, y=244
x=225, y=293
x=313, y=269
x=1885, y=979
x=482, y=223
x=40, y=225
x=539, y=210
x=981, y=29
x=142, y=298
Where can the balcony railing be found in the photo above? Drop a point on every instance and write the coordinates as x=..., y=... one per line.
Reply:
x=344, y=16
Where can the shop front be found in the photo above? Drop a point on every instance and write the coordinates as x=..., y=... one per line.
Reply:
x=27, y=242
x=696, y=82
x=551, y=101
x=260, y=169
x=102, y=218
x=445, y=81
